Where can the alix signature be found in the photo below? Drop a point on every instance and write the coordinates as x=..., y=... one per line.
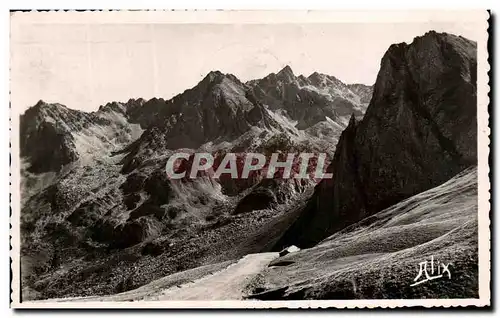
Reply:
x=423, y=273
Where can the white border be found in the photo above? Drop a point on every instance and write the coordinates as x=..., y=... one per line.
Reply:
x=291, y=17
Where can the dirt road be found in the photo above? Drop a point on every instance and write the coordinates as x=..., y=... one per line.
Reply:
x=228, y=284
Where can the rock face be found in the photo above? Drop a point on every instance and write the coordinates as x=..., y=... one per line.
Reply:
x=309, y=100
x=52, y=135
x=220, y=107
x=217, y=107
x=364, y=92
x=419, y=130
x=45, y=140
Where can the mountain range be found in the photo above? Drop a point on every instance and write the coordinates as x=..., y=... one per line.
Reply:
x=99, y=215
x=96, y=181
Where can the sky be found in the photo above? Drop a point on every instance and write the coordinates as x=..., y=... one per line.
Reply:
x=84, y=63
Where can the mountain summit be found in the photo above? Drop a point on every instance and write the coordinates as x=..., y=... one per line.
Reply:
x=286, y=74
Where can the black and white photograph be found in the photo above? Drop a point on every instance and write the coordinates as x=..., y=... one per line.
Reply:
x=232, y=159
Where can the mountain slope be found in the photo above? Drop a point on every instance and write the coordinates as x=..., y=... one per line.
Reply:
x=379, y=256
x=52, y=135
x=367, y=260
x=418, y=131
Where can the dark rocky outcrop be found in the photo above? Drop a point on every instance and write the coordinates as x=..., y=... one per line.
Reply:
x=49, y=132
x=131, y=200
x=419, y=130
x=46, y=139
x=136, y=231
x=153, y=249
x=129, y=233
x=147, y=208
x=134, y=183
x=158, y=187
x=86, y=214
x=260, y=198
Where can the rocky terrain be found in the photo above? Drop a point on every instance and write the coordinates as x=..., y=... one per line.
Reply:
x=99, y=215
x=378, y=257
x=367, y=260
x=104, y=219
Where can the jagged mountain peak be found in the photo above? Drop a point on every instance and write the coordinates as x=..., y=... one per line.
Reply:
x=40, y=103
x=136, y=100
x=219, y=105
x=432, y=39
x=213, y=80
x=302, y=78
x=122, y=107
x=56, y=115
x=217, y=77
x=287, y=70
x=53, y=135
x=317, y=79
x=320, y=78
x=135, y=103
x=213, y=75
x=316, y=75
x=430, y=35
x=352, y=120
x=42, y=107
x=111, y=106
x=286, y=75
x=45, y=138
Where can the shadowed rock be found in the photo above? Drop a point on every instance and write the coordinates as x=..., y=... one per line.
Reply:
x=258, y=199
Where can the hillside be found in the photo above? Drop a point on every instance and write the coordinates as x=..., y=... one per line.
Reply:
x=379, y=256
